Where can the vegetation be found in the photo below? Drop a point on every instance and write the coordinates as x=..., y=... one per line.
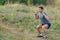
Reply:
x=28, y=2
x=17, y=22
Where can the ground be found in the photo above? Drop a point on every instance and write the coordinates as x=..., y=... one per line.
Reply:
x=17, y=22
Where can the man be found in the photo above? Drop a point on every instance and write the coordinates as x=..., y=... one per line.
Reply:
x=45, y=24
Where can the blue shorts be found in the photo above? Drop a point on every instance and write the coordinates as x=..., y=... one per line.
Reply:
x=49, y=24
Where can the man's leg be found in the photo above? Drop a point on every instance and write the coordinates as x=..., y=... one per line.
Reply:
x=44, y=27
x=38, y=28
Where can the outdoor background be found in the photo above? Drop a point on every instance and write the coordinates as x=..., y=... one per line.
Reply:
x=17, y=21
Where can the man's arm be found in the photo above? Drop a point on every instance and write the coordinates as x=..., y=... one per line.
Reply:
x=46, y=17
x=36, y=16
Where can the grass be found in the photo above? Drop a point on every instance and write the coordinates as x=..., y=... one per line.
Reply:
x=17, y=22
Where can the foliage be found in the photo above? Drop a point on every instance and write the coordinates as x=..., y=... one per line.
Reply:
x=27, y=2
x=17, y=22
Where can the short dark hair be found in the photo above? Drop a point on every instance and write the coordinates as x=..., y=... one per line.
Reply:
x=41, y=7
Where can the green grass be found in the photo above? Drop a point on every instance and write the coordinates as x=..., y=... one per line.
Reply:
x=17, y=22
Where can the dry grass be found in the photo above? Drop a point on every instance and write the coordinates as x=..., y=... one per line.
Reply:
x=17, y=22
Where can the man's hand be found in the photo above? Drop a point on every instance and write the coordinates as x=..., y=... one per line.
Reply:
x=46, y=17
x=36, y=16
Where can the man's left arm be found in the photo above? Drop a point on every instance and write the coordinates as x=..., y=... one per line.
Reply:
x=46, y=16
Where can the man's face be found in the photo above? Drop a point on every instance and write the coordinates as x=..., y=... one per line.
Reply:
x=40, y=10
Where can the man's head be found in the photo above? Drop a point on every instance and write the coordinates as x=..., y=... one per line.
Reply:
x=41, y=9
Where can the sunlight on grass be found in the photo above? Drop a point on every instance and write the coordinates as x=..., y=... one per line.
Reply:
x=18, y=22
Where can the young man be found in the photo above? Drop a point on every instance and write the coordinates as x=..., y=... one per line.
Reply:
x=45, y=24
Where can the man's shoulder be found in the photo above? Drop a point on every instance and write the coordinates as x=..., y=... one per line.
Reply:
x=44, y=12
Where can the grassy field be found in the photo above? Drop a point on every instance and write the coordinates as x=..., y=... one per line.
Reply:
x=17, y=22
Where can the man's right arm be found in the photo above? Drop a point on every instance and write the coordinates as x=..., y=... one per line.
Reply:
x=36, y=16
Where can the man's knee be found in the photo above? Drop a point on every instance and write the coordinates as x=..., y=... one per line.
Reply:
x=39, y=26
x=43, y=27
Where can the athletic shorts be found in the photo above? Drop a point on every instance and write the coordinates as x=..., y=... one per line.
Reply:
x=48, y=25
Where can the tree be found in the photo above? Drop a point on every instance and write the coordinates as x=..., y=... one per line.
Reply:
x=28, y=2
x=50, y=2
x=8, y=1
